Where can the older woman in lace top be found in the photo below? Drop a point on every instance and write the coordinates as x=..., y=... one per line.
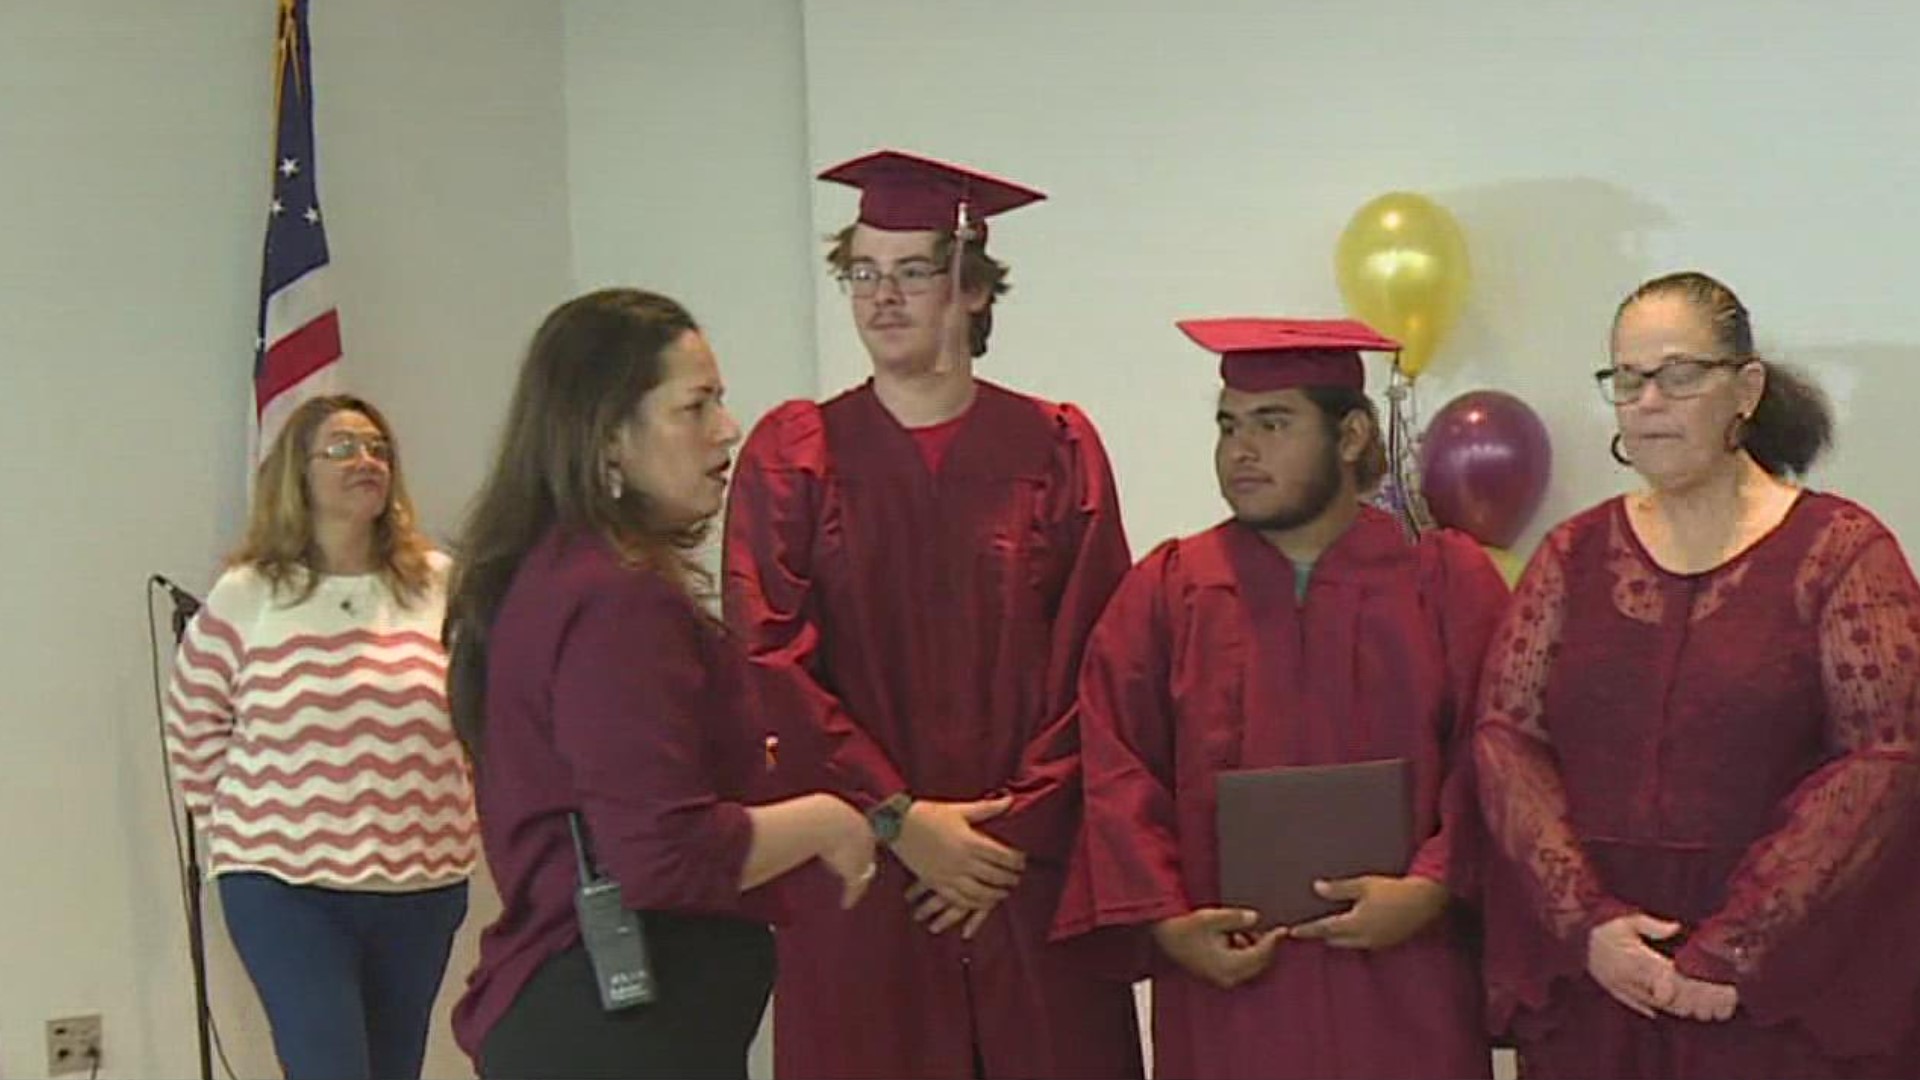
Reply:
x=1696, y=741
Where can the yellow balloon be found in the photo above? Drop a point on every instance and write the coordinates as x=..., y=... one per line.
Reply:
x=1402, y=269
x=1507, y=562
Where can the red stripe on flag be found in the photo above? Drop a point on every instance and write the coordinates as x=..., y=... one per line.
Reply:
x=297, y=356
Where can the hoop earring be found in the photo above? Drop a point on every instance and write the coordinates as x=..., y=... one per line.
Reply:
x=1618, y=455
x=1737, y=432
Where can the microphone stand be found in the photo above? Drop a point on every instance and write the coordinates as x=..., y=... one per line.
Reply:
x=184, y=608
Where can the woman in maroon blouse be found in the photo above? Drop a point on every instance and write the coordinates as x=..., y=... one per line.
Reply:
x=586, y=678
x=1696, y=743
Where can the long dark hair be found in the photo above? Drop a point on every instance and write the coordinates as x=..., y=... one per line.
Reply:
x=1793, y=424
x=590, y=363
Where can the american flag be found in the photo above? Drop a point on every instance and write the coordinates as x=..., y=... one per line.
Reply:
x=297, y=349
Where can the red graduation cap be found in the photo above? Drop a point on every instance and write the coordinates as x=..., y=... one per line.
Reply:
x=903, y=192
x=1260, y=355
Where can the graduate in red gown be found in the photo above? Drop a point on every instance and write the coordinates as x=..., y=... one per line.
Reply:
x=1699, y=741
x=914, y=566
x=1306, y=630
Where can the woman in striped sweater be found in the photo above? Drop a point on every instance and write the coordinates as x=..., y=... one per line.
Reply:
x=307, y=723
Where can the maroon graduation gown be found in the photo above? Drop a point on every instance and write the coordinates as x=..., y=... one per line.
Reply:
x=922, y=631
x=1205, y=662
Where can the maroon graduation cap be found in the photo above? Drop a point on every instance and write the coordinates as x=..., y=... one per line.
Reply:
x=1261, y=355
x=902, y=192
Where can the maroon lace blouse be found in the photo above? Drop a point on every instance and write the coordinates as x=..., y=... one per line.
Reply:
x=1733, y=749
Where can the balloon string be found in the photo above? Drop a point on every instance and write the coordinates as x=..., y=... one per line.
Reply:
x=1402, y=448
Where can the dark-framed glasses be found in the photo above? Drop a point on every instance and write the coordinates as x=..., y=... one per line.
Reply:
x=1679, y=378
x=911, y=278
x=347, y=447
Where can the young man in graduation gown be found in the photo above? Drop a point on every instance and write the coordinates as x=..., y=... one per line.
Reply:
x=914, y=567
x=1306, y=630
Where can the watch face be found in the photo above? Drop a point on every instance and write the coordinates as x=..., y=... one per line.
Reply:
x=885, y=820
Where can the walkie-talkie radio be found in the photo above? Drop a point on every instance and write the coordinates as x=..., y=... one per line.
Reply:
x=615, y=940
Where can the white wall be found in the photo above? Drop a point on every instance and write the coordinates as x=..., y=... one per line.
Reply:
x=688, y=158
x=444, y=151
x=1203, y=158
x=132, y=200
x=123, y=280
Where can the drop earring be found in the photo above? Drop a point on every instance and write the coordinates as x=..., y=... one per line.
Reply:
x=1737, y=432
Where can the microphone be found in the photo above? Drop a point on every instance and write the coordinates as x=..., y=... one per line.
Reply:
x=185, y=604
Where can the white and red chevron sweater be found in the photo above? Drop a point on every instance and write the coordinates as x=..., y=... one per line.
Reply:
x=312, y=742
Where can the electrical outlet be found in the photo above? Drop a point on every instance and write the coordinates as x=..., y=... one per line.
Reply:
x=73, y=1045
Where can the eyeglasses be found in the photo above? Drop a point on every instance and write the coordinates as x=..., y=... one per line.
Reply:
x=1678, y=378
x=348, y=447
x=911, y=279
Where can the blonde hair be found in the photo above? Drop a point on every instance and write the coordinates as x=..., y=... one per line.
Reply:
x=280, y=542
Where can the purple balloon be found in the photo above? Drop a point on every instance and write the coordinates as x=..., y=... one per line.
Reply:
x=1484, y=462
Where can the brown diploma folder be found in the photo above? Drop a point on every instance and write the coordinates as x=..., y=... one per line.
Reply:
x=1281, y=829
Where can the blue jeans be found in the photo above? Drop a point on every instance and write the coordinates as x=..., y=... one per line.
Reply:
x=348, y=979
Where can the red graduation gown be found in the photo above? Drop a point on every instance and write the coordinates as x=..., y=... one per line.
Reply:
x=922, y=631
x=1203, y=662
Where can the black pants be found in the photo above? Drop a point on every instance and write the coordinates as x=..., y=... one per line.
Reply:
x=714, y=976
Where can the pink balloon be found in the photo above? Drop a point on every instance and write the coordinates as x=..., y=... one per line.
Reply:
x=1484, y=462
